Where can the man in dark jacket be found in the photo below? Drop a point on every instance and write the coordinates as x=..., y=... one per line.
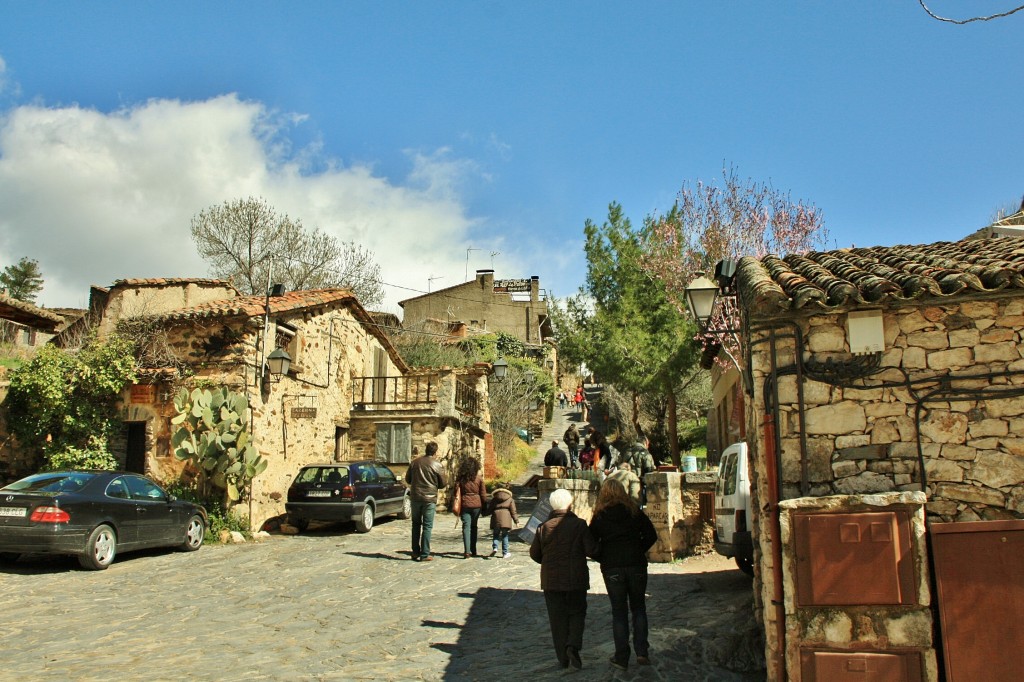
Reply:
x=425, y=477
x=555, y=457
x=561, y=547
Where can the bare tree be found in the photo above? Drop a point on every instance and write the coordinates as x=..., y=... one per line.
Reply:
x=245, y=239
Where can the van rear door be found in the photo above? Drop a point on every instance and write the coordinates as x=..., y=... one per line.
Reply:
x=732, y=508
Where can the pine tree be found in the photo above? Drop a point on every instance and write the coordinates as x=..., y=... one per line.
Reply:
x=23, y=280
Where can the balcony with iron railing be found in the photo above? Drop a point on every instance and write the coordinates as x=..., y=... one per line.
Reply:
x=436, y=393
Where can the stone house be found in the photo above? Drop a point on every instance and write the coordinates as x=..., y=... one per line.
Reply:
x=517, y=307
x=347, y=395
x=884, y=392
x=23, y=324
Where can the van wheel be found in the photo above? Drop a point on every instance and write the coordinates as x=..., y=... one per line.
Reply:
x=745, y=564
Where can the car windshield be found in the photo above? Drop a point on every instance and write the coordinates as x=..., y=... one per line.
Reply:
x=322, y=475
x=53, y=482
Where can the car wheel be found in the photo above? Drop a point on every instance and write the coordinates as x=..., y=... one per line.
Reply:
x=300, y=524
x=406, y=512
x=365, y=522
x=100, y=549
x=745, y=564
x=9, y=557
x=195, y=533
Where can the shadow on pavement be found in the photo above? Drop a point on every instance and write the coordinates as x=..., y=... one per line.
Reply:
x=701, y=628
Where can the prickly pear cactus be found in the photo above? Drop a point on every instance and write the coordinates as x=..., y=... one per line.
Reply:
x=213, y=434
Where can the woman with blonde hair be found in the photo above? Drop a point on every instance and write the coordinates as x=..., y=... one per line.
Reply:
x=624, y=534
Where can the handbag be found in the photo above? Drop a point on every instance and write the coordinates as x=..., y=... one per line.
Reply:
x=457, y=502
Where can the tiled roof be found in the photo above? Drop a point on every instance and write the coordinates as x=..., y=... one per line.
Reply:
x=28, y=314
x=880, y=275
x=170, y=281
x=254, y=306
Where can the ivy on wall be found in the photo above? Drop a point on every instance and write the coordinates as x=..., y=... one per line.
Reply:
x=63, y=405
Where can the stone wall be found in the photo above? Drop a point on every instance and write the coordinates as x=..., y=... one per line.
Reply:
x=478, y=305
x=584, y=493
x=674, y=509
x=947, y=380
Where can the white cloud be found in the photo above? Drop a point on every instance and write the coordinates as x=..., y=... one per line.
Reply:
x=96, y=196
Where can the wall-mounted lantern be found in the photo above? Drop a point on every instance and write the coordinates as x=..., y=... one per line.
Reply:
x=499, y=369
x=278, y=363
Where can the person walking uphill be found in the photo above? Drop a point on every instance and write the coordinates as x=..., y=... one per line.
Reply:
x=561, y=547
x=472, y=492
x=425, y=477
x=624, y=534
x=572, y=442
x=503, y=515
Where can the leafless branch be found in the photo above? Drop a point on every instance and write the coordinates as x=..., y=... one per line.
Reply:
x=967, y=21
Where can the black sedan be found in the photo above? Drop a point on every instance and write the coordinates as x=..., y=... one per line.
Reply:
x=350, y=491
x=93, y=515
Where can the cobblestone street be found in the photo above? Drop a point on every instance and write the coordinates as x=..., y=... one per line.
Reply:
x=333, y=604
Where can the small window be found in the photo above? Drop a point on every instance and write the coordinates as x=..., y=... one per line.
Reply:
x=385, y=475
x=728, y=475
x=394, y=443
x=366, y=474
x=144, y=489
x=117, y=489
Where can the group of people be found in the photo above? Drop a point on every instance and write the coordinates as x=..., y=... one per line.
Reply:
x=426, y=477
x=618, y=536
x=576, y=400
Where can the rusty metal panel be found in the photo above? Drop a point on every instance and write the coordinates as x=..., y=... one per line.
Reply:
x=862, y=666
x=852, y=559
x=979, y=574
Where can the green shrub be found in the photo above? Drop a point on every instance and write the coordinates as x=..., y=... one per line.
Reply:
x=96, y=456
x=218, y=518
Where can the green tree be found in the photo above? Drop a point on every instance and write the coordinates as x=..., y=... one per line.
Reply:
x=245, y=239
x=631, y=335
x=23, y=280
x=60, y=403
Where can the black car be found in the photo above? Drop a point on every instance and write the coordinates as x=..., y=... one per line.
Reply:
x=93, y=515
x=349, y=491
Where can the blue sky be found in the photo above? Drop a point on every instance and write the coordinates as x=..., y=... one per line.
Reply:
x=423, y=129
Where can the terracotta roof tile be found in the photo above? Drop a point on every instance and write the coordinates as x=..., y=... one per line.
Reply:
x=254, y=306
x=170, y=281
x=854, y=277
x=28, y=314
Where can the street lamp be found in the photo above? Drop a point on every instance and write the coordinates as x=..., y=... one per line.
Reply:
x=499, y=369
x=701, y=295
x=277, y=364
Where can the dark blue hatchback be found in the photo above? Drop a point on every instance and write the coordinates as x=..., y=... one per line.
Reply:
x=347, y=491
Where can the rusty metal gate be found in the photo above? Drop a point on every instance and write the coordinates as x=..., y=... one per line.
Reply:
x=979, y=574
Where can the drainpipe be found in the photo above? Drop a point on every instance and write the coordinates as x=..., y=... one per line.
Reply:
x=771, y=442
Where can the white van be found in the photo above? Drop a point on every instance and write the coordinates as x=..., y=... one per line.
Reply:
x=732, y=508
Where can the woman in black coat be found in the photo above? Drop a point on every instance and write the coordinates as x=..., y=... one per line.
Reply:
x=624, y=534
